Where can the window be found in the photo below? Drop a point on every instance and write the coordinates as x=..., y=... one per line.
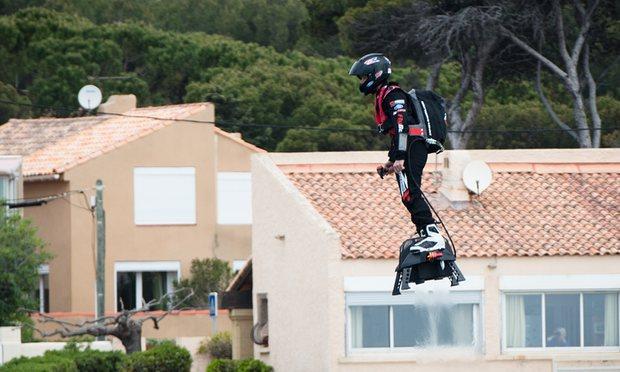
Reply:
x=238, y=265
x=8, y=187
x=42, y=293
x=561, y=319
x=377, y=322
x=164, y=196
x=260, y=331
x=234, y=198
x=144, y=281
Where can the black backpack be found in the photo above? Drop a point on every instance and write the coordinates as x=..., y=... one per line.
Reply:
x=430, y=108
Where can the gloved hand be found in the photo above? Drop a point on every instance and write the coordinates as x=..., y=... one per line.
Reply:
x=398, y=166
x=384, y=169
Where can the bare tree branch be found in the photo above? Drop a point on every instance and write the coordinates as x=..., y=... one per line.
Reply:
x=122, y=325
x=596, y=118
x=559, y=23
x=552, y=66
x=585, y=27
x=556, y=119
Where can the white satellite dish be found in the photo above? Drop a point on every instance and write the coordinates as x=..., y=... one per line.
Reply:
x=89, y=97
x=477, y=176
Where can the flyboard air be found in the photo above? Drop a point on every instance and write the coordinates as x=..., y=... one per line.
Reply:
x=419, y=264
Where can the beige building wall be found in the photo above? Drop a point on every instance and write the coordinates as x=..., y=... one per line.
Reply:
x=69, y=229
x=53, y=223
x=293, y=252
x=177, y=145
x=491, y=270
x=307, y=328
x=233, y=242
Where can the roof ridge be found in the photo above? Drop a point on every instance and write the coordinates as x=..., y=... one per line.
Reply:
x=168, y=106
x=46, y=118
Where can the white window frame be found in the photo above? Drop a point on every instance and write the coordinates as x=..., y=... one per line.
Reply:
x=189, y=219
x=238, y=265
x=227, y=216
x=139, y=267
x=556, y=284
x=43, y=270
x=368, y=291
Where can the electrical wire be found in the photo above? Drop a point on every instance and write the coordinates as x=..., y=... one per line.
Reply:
x=43, y=199
x=221, y=123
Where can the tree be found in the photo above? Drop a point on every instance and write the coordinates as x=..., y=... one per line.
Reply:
x=573, y=68
x=7, y=111
x=21, y=254
x=432, y=33
x=126, y=325
x=206, y=276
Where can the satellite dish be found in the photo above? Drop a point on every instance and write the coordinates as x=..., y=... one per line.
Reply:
x=477, y=176
x=89, y=97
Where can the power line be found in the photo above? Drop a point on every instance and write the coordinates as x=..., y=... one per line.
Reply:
x=221, y=123
x=32, y=202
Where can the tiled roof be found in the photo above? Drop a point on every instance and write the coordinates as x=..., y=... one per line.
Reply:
x=520, y=214
x=54, y=145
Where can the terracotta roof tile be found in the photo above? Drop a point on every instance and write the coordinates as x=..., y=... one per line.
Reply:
x=520, y=214
x=55, y=145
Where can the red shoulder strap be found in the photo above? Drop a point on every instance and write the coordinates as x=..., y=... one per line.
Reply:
x=380, y=116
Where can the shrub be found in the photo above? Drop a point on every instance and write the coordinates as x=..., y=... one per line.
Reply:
x=247, y=365
x=222, y=365
x=99, y=361
x=45, y=363
x=70, y=359
x=153, y=342
x=253, y=365
x=218, y=347
x=90, y=360
x=161, y=358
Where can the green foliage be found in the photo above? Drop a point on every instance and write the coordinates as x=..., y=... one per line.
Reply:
x=246, y=365
x=154, y=342
x=166, y=357
x=7, y=111
x=21, y=254
x=47, y=56
x=90, y=360
x=207, y=275
x=218, y=347
x=45, y=363
x=70, y=359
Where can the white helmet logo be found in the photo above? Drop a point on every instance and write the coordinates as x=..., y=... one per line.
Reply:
x=371, y=61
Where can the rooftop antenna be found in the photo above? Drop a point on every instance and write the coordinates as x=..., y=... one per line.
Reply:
x=477, y=176
x=89, y=97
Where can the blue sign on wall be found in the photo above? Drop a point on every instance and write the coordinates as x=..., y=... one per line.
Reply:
x=213, y=304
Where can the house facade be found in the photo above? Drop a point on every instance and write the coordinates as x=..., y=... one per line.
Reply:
x=176, y=188
x=539, y=248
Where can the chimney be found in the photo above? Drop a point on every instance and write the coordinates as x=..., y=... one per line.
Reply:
x=118, y=104
x=452, y=186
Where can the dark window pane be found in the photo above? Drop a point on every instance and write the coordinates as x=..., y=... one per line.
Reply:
x=153, y=287
x=411, y=326
x=562, y=320
x=600, y=317
x=126, y=290
x=46, y=293
x=370, y=326
x=533, y=320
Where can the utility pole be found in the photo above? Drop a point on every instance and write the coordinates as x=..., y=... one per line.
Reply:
x=100, y=217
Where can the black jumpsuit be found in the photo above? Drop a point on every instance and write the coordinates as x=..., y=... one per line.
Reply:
x=412, y=149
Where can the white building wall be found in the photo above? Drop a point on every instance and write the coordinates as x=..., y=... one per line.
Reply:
x=292, y=246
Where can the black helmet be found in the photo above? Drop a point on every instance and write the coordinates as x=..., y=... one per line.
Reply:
x=373, y=69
